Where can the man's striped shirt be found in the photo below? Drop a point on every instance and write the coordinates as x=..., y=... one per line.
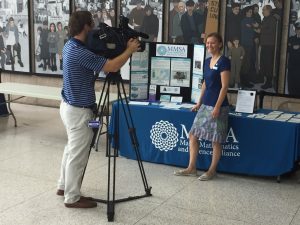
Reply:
x=79, y=65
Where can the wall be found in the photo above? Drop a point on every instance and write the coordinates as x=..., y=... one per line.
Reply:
x=270, y=102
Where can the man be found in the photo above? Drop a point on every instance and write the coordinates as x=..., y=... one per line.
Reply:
x=191, y=24
x=44, y=44
x=233, y=24
x=136, y=16
x=293, y=77
x=172, y=14
x=79, y=65
x=12, y=42
x=267, y=43
x=176, y=25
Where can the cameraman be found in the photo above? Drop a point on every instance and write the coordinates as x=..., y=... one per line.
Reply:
x=78, y=93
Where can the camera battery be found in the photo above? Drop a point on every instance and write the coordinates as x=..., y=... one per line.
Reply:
x=94, y=124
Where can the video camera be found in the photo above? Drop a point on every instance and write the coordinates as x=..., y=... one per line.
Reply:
x=111, y=41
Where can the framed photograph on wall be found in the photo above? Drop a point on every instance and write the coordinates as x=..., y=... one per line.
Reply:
x=14, y=36
x=51, y=18
x=292, y=86
x=144, y=16
x=205, y=20
x=104, y=11
x=253, y=39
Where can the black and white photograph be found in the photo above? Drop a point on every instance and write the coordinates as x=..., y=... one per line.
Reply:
x=144, y=16
x=293, y=51
x=51, y=32
x=14, y=37
x=188, y=20
x=103, y=11
x=253, y=38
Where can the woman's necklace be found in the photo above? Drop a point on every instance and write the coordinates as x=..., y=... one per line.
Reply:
x=214, y=60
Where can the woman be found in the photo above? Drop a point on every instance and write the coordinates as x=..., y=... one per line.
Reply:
x=211, y=120
x=150, y=24
x=61, y=42
x=53, y=50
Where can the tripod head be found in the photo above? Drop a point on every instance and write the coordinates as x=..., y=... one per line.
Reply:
x=114, y=77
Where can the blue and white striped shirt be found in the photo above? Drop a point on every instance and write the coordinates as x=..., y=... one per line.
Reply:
x=79, y=65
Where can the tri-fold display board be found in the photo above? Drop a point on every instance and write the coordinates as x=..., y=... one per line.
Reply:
x=164, y=71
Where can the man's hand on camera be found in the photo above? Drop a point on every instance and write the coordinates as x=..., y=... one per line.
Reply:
x=133, y=45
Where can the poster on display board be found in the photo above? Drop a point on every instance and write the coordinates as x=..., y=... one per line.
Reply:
x=197, y=72
x=14, y=36
x=205, y=15
x=139, y=78
x=51, y=18
x=180, y=72
x=253, y=38
x=160, y=70
x=292, y=86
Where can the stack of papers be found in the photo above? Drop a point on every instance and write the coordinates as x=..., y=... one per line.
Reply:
x=235, y=114
x=257, y=115
x=187, y=105
x=284, y=117
x=294, y=120
x=169, y=105
x=272, y=115
x=138, y=103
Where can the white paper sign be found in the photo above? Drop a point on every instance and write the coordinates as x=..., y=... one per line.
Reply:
x=245, y=101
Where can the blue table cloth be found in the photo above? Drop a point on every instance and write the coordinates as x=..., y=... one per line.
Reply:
x=253, y=146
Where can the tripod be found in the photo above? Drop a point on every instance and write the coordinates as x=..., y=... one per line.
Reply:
x=113, y=136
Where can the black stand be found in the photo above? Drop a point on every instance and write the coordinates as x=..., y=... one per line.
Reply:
x=103, y=106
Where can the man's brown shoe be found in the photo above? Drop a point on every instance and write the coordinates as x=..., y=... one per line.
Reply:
x=82, y=203
x=62, y=193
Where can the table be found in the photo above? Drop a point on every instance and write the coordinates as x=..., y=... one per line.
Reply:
x=254, y=146
x=36, y=91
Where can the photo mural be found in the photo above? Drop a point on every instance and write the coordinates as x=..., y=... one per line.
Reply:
x=253, y=38
x=293, y=51
x=191, y=20
x=14, y=35
x=103, y=11
x=51, y=19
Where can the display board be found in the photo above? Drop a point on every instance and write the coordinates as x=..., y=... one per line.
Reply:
x=167, y=72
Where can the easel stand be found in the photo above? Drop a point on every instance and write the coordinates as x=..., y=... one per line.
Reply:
x=112, y=138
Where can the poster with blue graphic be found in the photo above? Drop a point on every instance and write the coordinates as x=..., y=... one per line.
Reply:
x=160, y=71
x=180, y=72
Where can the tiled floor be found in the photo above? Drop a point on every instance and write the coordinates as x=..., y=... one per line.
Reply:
x=30, y=157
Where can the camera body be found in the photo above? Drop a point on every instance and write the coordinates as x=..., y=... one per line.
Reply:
x=111, y=41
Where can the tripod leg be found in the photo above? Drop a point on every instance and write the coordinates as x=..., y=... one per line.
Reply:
x=103, y=97
x=132, y=133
